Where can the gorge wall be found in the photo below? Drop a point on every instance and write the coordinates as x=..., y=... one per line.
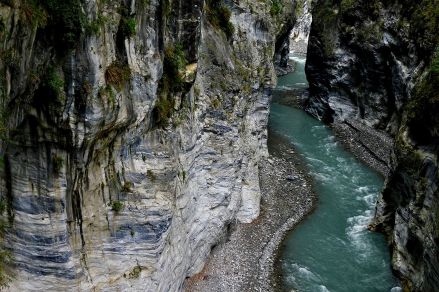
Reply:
x=130, y=136
x=373, y=68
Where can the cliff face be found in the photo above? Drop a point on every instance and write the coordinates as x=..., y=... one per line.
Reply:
x=131, y=134
x=372, y=66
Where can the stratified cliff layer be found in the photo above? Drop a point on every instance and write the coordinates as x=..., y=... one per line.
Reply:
x=131, y=135
x=374, y=65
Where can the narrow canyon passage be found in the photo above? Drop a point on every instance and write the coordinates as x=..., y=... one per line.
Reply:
x=331, y=250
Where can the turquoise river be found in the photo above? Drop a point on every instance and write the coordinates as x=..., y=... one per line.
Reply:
x=332, y=249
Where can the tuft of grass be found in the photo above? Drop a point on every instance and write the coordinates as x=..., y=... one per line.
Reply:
x=163, y=110
x=127, y=187
x=107, y=93
x=94, y=26
x=33, y=13
x=219, y=16
x=151, y=175
x=118, y=75
x=55, y=83
x=57, y=164
x=117, y=206
x=276, y=7
x=135, y=272
x=128, y=26
x=174, y=63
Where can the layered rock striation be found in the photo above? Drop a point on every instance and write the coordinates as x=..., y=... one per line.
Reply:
x=131, y=135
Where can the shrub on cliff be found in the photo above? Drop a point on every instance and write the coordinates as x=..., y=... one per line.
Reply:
x=219, y=16
x=65, y=21
x=422, y=117
x=117, y=206
x=276, y=7
x=174, y=64
x=128, y=26
x=117, y=74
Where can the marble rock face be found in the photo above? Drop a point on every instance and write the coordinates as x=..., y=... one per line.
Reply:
x=102, y=192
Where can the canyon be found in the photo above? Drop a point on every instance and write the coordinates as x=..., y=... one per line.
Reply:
x=132, y=131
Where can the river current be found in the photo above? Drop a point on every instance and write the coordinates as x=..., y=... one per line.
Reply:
x=332, y=249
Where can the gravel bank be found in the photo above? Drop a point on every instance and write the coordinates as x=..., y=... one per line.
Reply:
x=371, y=146
x=245, y=260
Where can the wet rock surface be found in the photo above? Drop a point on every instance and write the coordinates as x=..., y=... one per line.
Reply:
x=371, y=146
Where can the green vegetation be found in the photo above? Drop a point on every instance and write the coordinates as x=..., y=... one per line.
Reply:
x=174, y=63
x=135, y=272
x=372, y=32
x=66, y=20
x=422, y=118
x=3, y=126
x=5, y=255
x=151, y=175
x=163, y=110
x=219, y=16
x=33, y=13
x=128, y=26
x=276, y=7
x=52, y=88
x=107, y=93
x=300, y=6
x=55, y=83
x=325, y=19
x=348, y=4
x=118, y=74
x=94, y=26
x=117, y=206
x=63, y=20
x=127, y=187
x=57, y=164
x=435, y=64
x=424, y=21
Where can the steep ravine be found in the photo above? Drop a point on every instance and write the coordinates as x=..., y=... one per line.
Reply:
x=131, y=133
x=373, y=70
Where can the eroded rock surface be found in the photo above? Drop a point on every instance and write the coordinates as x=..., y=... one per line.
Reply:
x=131, y=136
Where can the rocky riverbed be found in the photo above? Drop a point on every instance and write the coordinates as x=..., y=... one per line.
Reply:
x=244, y=261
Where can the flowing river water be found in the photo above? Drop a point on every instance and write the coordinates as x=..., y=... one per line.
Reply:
x=331, y=250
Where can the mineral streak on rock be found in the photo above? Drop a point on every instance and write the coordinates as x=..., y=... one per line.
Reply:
x=133, y=132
